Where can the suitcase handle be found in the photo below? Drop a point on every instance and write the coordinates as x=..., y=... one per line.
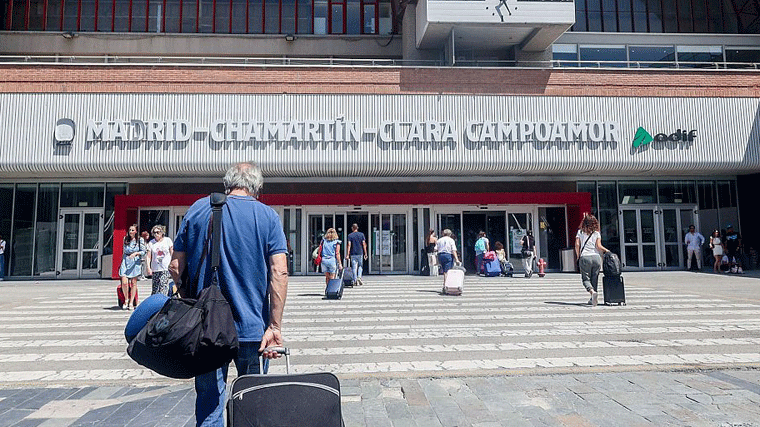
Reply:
x=285, y=351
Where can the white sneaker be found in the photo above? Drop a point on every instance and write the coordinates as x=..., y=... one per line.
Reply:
x=594, y=299
x=739, y=270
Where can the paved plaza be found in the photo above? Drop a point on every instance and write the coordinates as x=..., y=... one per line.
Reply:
x=509, y=352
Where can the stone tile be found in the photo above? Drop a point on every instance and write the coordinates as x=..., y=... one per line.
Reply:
x=29, y=423
x=13, y=416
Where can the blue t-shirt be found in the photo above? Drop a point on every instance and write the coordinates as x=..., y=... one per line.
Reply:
x=328, y=248
x=356, y=238
x=251, y=233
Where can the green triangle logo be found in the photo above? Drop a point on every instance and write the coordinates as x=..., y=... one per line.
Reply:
x=642, y=137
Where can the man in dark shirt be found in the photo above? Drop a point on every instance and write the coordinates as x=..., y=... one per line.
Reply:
x=357, y=251
x=733, y=243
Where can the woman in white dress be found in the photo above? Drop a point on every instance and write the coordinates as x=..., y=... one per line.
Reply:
x=716, y=244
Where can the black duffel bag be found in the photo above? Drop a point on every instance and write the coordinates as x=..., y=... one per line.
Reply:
x=189, y=337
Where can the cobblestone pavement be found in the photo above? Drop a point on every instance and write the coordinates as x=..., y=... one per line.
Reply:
x=510, y=352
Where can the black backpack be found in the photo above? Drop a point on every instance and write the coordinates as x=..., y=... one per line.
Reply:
x=611, y=265
x=189, y=337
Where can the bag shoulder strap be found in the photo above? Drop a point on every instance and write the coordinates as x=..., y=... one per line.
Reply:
x=217, y=200
x=584, y=243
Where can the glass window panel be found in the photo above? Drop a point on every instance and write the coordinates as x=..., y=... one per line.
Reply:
x=69, y=261
x=112, y=190
x=336, y=18
x=651, y=56
x=369, y=26
x=677, y=192
x=70, y=12
x=589, y=187
x=121, y=21
x=669, y=16
x=655, y=16
x=320, y=16
x=640, y=22
x=70, y=231
x=726, y=194
x=670, y=226
x=631, y=256
x=609, y=16
x=255, y=17
x=54, y=15
x=22, y=241
x=607, y=195
x=398, y=241
x=46, y=234
x=105, y=15
x=685, y=20
x=625, y=22
x=353, y=17
x=699, y=56
x=170, y=20
x=238, y=17
x=288, y=17
x=580, y=15
x=671, y=255
x=647, y=226
x=189, y=12
x=386, y=19
x=155, y=16
x=91, y=232
x=566, y=55
x=637, y=192
x=89, y=260
x=206, y=16
x=139, y=15
x=743, y=55
x=87, y=21
x=639, y=6
x=152, y=217
x=272, y=17
x=36, y=12
x=598, y=55
x=707, y=198
x=649, y=253
x=305, y=17
x=608, y=223
x=6, y=213
x=82, y=195
x=594, y=15
x=222, y=16
x=630, y=228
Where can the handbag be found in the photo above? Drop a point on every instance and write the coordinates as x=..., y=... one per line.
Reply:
x=189, y=337
x=318, y=259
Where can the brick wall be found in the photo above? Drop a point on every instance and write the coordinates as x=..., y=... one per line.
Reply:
x=251, y=80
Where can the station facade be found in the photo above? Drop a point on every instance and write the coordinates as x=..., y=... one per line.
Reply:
x=91, y=146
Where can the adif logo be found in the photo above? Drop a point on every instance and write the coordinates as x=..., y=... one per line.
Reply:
x=643, y=137
x=65, y=130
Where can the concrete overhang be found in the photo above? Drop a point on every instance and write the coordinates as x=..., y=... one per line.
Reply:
x=493, y=24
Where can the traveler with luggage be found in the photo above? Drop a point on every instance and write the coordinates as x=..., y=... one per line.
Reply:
x=588, y=247
x=447, y=252
x=253, y=276
x=501, y=255
x=131, y=265
x=357, y=253
x=528, y=252
x=482, y=245
x=330, y=254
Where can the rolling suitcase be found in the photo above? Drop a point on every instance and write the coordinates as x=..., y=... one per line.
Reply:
x=614, y=290
x=454, y=282
x=334, y=289
x=348, y=274
x=285, y=400
x=121, y=299
x=492, y=267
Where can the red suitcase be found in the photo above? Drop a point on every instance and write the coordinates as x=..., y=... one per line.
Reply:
x=120, y=296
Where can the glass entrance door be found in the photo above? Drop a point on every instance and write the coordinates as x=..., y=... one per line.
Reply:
x=675, y=225
x=639, y=237
x=518, y=224
x=79, y=243
x=388, y=251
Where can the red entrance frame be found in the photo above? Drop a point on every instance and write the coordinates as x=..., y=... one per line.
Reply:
x=126, y=206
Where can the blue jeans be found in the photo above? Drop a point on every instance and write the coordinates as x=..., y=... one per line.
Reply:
x=211, y=388
x=2, y=266
x=357, y=265
x=479, y=262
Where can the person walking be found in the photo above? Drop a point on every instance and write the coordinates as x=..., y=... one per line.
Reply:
x=447, y=252
x=253, y=276
x=430, y=243
x=158, y=257
x=357, y=252
x=131, y=266
x=694, y=242
x=528, y=252
x=482, y=245
x=588, y=247
x=2, y=258
x=330, y=254
x=717, y=249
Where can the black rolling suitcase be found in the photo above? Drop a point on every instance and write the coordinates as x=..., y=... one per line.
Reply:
x=334, y=289
x=303, y=400
x=348, y=274
x=614, y=290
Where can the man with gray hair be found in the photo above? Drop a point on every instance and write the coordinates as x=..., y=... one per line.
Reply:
x=253, y=276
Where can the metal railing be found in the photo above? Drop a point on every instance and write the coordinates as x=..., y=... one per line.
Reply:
x=358, y=62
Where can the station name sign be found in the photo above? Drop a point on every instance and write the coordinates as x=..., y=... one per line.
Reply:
x=250, y=132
